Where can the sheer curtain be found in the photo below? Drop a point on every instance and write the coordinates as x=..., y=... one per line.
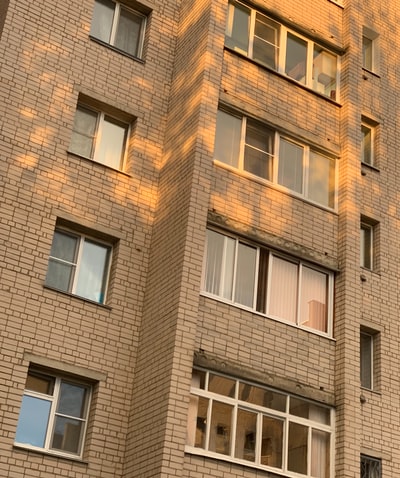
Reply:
x=283, y=289
x=313, y=298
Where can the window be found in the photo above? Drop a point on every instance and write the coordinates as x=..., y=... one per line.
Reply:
x=251, y=146
x=370, y=467
x=367, y=144
x=369, y=358
x=99, y=137
x=264, y=281
x=79, y=265
x=257, y=426
x=53, y=414
x=264, y=40
x=370, y=52
x=369, y=243
x=118, y=26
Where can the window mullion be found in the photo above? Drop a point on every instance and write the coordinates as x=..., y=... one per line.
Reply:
x=309, y=449
x=115, y=23
x=251, y=32
x=233, y=428
x=208, y=423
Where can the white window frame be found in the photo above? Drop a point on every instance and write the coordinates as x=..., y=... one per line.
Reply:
x=54, y=399
x=307, y=150
x=261, y=411
x=282, y=47
x=102, y=117
x=78, y=260
x=114, y=28
x=258, y=292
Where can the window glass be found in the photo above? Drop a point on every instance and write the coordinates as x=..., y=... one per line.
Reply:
x=227, y=138
x=321, y=179
x=246, y=432
x=238, y=28
x=320, y=456
x=129, y=31
x=266, y=41
x=306, y=409
x=245, y=275
x=366, y=244
x=296, y=58
x=103, y=15
x=366, y=357
x=297, y=448
x=283, y=289
x=370, y=467
x=258, y=154
x=82, y=139
x=63, y=255
x=40, y=384
x=366, y=144
x=32, y=423
x=367, y=51
x=67, y=434
x=324, y=72
x=221, y=385
x=272, y=442
x=220, y=432
x=260, y=396
x=92, y=271
x=290, y=169
x=313, y=299
x=110, y=148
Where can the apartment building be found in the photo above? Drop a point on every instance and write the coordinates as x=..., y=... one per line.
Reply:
x=199, y=239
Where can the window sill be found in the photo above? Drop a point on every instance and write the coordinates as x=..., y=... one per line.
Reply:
x=271, y=185
x=48, y=453
x=339, y=4
x=68, y=294
x=281, y=75
x=370, y=167
x=117, y=50
x=370, y=391
x=373, y=73
x=325, y=335
x=120, y=171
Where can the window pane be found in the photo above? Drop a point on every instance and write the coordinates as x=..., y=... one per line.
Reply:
x=196, y=435
x=246, y=432
x=296, y=58
x=220, y=428
x=64, y=246
x=258, y=154
x=283, y=290
x=321, y=179
x=245, y=275
x=67, y=434
x=72, y=400
x=320, y=454
x=367, y=53
x=266, y=37
x=83, y=133
x=237, y=28
x=290, y=170
x=93, y=271
x=227, y=139
x=221, y=385
x=40, y=383
x=129, y=31
x=103, y=15
x=366, y=246
x=260, y=396
x=324, y=72
x=271, y=442
x=313, y=299
x=305, y=409
x=33, y=420
x=110, y=147
x=370, y=467
x=366, y=342
x=60, y=275
x=297, y=448
x=366, y=145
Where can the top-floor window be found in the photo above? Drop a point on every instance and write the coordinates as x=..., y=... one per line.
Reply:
x=119, y=26
x=275, y=46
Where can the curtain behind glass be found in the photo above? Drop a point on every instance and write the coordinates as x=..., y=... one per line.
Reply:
x=283, y=289
x=128, y=31
x=313, y=298
x=103, y=14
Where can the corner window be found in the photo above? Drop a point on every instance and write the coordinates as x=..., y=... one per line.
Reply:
x=79, y=265
x=271, y=44
x=370, y=467
x=370, y=51
x=275, y=285
x=257, y=426
x=257, y=149
x=368, y=243
x=53, y=414
x=119, y=26
x=99, y=137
